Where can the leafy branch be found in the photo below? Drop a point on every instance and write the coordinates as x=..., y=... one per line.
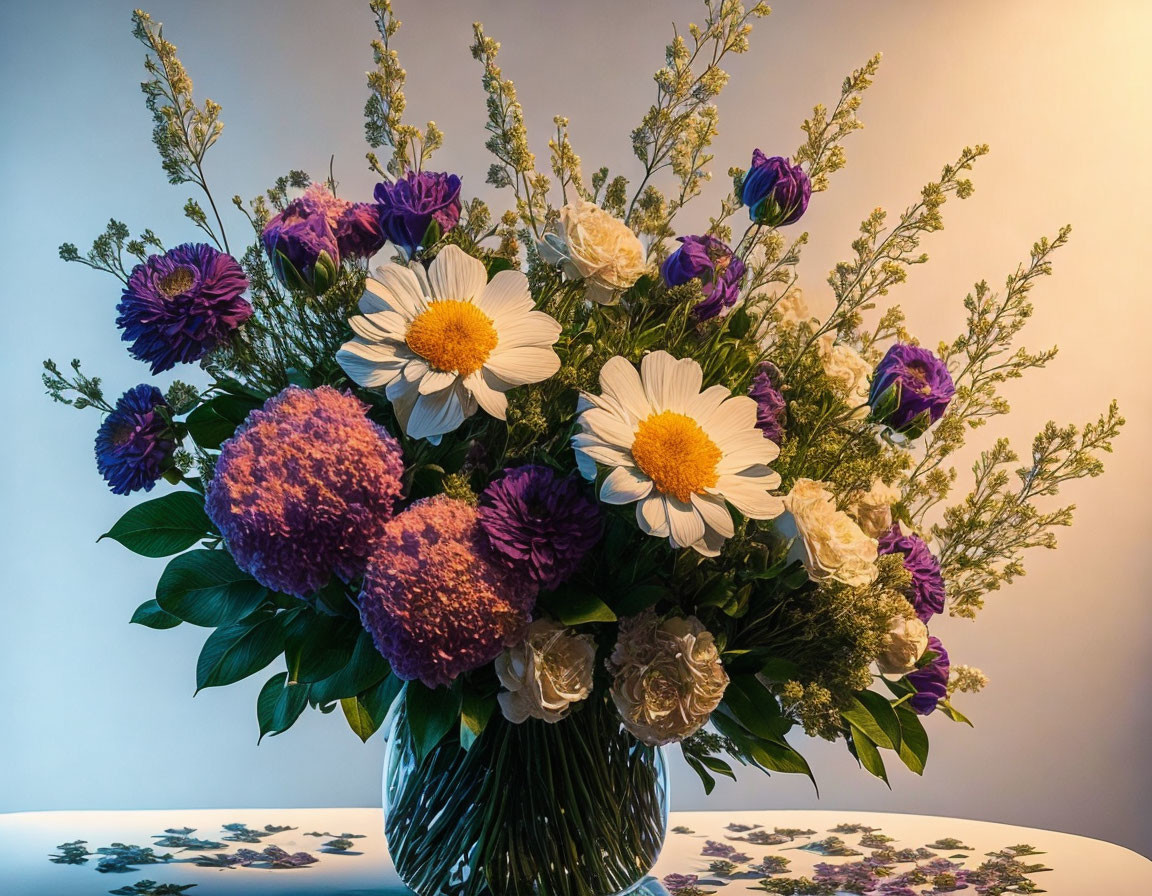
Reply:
x=107, y=252
x=88, y=391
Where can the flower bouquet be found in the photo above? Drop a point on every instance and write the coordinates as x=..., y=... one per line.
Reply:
x=544, y=492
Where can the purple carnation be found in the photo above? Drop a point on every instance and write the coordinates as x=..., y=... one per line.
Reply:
x=930, y=681
x=770, y=405
x=540, y=526
x=408, y=207
x=433, y=600
x=178, y=306
x=775, y=191
x=135, y=443
x=910, y=390
x=304, y=489
x=926, y=593
x=711, y=262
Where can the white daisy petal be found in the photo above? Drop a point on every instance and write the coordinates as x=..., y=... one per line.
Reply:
x=749, y=498
x=435, y=381
x=715, y=514
x=609, y=427
x=435, y=415
x=625, y=485
x=608, y=455
x=529, y=364
x=506, y=293
x=383, y=326
x=685, y=525
x=366, y=372
x=710, y=544
x=394, y=288
x=747, y=449
x=670, y=384
x=493, y=401
x=531, y=328
x=703, y=406
x=619, y=380
x=454, y=274
x=737, y=414
x=652, y=515
x=585, y=465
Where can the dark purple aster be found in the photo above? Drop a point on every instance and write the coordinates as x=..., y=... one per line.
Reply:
x=134, y=444
x=926, y=593
x=930, y=681
x=711, y=262
x=770, y=405
x=539, y=525
x=178, y=306
x=775, y=191
x=408, y=207
x=910, y=390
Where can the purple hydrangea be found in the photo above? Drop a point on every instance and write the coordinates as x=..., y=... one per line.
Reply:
x=930, y=681
x=304, y=489
x=775, y=191
x=540, y=525
x=135, y=443
x=926, y=593
x=711, y=262
x=911, y=389
x=408, y=207
x=770, y=404
x=178, y=306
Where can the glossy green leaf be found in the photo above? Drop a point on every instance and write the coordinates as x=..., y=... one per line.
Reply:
x=574, y=606
x=953, y=713
x=367, y=711
x=151, y=615
x=214, y=422
x=913, y=740
x=280, y=704
x=365, y=669
x=868, y=755
x=236, y=651
x=475, y=711
x=317, y=646
x=208, y=588
x=163, y=526
x=756, y=708
x=873, y=714
x=432, y=713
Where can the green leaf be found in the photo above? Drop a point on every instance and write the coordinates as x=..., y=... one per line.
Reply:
x=432, y=713
x=873, y=714
x=697, y=766
x=954, y=714
x=208, y=588
x=317, y=646
x=769, y=755
x=279, y=704
x=714, y=763
x=868, y=755
x=151, y=615
x=574, y=606
x=475, y=711
x=215, y=421
x=497, y=263
x=163, y=526
x=235, y=651
x=364, y=670
x=913, y=740
x=756, y=708
x=367, y=711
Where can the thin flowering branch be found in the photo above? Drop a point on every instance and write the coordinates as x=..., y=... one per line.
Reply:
x=107, y=252
x=565, y=162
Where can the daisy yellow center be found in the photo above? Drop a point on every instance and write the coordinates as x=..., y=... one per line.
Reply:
x=676, y=454
x=452, y=336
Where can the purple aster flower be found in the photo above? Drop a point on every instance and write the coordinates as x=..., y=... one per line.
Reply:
x=178, y=306
x=135, y=443
x=433, y=600
x=540, y=526
x=775, y=191
x=770, y=405
x=910, y=390
x=408, y=207
x=926, y=593
x=930, y=681
x=711, y=262
x=304, y=489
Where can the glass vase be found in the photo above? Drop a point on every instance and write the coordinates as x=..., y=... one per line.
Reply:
x=573, y=808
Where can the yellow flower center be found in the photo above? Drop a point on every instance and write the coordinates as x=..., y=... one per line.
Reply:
x=452, y=336
x=177, y=283
x=676, y=454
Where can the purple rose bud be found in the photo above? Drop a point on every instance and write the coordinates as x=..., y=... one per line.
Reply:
x=926, y=593
x=711, y=262
x=775, y=191
x=411, y=205
x=930, y=681
x=302, y=246
x=770, y=405
x=910, y=390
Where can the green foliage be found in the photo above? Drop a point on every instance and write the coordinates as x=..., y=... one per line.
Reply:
x=88, y=391
x=107, y=252
x=150, y=615
x=280, y=704
x=233, y=652
x=163, y=526
x=207, y=588
x=432, y=714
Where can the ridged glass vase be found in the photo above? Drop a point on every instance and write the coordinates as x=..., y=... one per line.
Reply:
x=573, y=808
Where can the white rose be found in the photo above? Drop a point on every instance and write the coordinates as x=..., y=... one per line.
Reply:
x=546, y=673
x=844, y=364
x=593, y=245
x=831, y=545
x=873, y=509
x=906, y=642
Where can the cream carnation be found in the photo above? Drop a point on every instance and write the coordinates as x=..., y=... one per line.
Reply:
x=844, y=364
x=833, y=546
x=873, y=509
x=545, y=673
x=667, y=677
x=593, y=246
x=905, y=643
x=792, y=308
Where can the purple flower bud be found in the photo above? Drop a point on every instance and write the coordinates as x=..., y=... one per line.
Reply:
x=711, y=262
x=926, y=593
x=770, y=405
x=775, y=191
x=930, y=681
x=408, y=207
x=910, y=390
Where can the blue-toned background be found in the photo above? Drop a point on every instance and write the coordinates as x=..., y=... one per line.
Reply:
x=97, y=713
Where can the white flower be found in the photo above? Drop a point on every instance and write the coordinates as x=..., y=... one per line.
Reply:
x=905, y=643
x=832, y=545
x=441, y=342
x=792, y=308
x=873, y=509
x=844, y=364
x=679, y=452
x=594, y=246
x=546, y=673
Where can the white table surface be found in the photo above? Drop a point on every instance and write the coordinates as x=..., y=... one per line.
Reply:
x=1079, y=866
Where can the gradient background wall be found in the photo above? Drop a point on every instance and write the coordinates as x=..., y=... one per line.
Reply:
x=100, y=714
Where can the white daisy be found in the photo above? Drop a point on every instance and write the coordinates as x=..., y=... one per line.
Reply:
x=442, y=342
x=682, y=453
